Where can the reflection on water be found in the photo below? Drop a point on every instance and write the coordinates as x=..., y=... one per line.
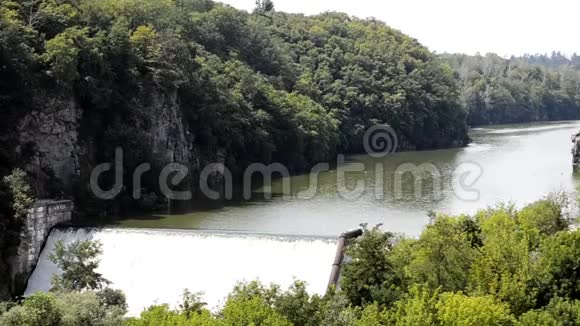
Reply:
x=520, y=163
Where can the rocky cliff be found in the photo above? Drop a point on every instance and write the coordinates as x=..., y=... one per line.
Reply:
x=60, y=143
x=48, y=137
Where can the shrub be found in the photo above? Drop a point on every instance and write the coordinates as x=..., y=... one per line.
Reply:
x=370, y=276
x=559, y=312
x=90, y=308
x=457, y=309
x=22, y=197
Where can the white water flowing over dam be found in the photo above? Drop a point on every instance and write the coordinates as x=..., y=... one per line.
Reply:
x=155, y=266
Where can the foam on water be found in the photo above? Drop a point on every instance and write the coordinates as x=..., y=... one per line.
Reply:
x=155, y=266
x=474, y=148
x=529, y=129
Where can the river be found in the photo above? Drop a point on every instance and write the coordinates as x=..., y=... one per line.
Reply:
x=515, y=163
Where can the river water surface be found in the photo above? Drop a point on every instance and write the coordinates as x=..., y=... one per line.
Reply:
x=518, y=163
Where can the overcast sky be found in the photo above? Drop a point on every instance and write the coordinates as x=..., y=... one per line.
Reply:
x=502, y=26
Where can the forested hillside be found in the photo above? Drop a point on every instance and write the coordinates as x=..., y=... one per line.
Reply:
x=223, y=84
x=266, y=86
x=496, y=90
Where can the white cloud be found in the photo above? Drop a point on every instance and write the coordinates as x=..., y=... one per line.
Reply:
x=501, y=26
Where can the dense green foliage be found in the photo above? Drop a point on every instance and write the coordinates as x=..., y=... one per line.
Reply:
x=16, y=198
x=500, y=267
x=22, y=197
x=263, y=86
x=66, y=309
x=519, y=89
x=377, y=281
x=266, y=86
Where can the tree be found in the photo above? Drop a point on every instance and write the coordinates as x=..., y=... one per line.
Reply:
x=372, y=315
x=370, y=276
x=21, y=193
x=443, y=255
x=191, y=303
x=558, y=267
x=519, y=89
x=62, y=53
x=20, y=316
x=503, y=265
x=542, y=219
x=78, y=262
x=337, y=311
x=298, y=306
x=162, y=315
x=112, y=298
x=263, y=6
x=145, y=41
x=254, y=310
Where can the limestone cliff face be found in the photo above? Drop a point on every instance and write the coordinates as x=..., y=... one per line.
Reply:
x=60, y=142
x=171, y=140
x=49, y=138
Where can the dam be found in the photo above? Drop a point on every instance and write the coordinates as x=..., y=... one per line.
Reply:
x=155, y=266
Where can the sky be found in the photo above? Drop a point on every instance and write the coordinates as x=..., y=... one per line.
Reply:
x=505, y=27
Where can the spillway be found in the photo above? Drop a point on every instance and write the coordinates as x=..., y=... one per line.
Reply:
x=155, y=266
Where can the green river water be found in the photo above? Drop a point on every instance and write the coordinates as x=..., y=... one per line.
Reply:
x=517, y=163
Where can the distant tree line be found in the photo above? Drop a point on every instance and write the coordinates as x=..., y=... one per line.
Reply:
x=496, y=90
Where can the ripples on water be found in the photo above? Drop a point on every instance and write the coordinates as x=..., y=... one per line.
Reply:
x=521, y=163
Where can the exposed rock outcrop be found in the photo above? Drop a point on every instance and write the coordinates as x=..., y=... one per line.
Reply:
x=170, y=138
x=60, y=143
x=49, y=140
